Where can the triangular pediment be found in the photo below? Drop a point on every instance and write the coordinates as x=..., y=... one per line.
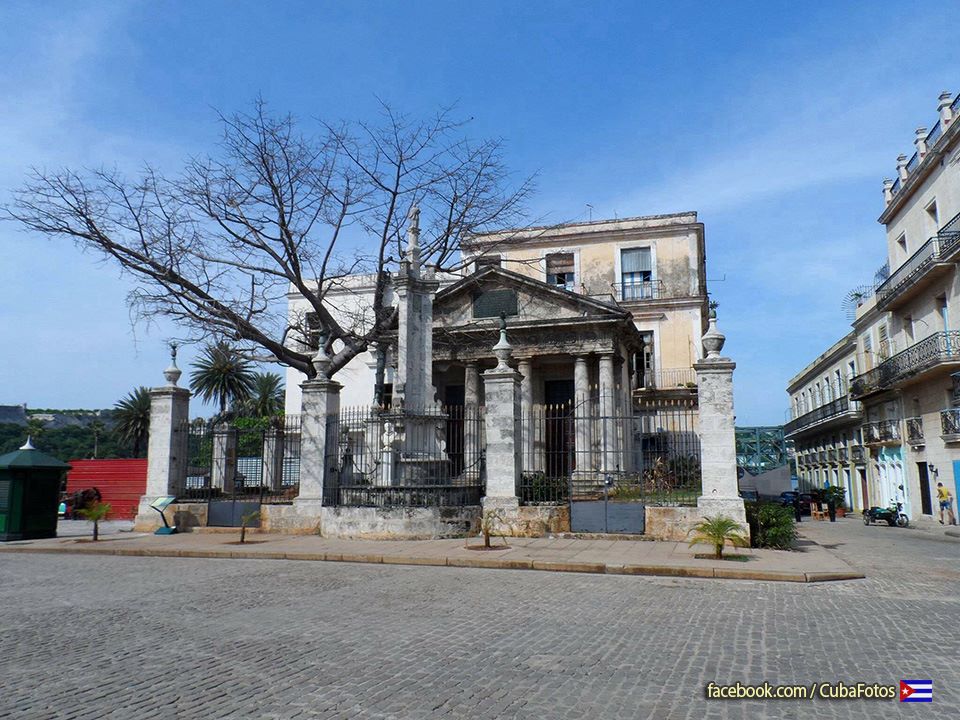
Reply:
x=482, y=296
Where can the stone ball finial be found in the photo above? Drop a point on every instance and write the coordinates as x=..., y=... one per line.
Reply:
x=172, y=373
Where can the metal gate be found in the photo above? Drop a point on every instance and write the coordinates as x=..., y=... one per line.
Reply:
x=236, y=468
x=610, y=465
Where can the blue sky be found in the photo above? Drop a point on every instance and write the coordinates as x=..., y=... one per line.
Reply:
x=776, y=121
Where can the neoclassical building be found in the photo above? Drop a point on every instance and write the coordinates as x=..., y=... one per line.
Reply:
x=618, y=306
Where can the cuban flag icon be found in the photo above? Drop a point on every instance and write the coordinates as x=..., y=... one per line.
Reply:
x=916, y=691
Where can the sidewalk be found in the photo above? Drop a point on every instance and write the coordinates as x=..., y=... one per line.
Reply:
x=809, y=563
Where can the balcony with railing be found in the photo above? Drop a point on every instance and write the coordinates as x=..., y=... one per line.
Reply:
x=881, y=432
x=832, y=413
x=931, y=261
x=832, y=457
x=858, y=454
x=915, y=431
x=941, y=349
x=950, y=425
x=669, y=379
x=843, y=455
x=639, y=290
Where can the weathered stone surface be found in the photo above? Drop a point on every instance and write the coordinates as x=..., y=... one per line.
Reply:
x=670, y=523
x=396, y=523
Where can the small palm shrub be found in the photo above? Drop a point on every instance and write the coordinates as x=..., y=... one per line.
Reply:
x=771, y=525
x=95, y=512
x=245, y=520
x=718, y=532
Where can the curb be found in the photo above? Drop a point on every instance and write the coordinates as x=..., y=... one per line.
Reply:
x=595, y=568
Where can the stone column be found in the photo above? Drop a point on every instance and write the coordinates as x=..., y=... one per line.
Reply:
x=273, y=441
x=608, y=428
x=224, y=471
x=718, y=454
x=166, y=445
x=581, y=409
x=626, y=411
x=471, y=420
x=525, y=368
x=501, y=387
x=319, y=429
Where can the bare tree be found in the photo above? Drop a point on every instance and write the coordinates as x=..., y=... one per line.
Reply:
x=218, y=247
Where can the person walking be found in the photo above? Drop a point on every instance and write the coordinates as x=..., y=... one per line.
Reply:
x=945, y=498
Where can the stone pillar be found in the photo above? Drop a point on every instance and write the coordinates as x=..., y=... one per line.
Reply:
x=608, y=428
x=501, y=386
x=525, y=367
x=920, y=142
x=902, y=168
x=166, y=445
x=581, y=410
x=273, y=445
x=718, y=454
x=626, y=411
x=224, y=471
x=943, y=107
x=319, y=429
x=887, y=191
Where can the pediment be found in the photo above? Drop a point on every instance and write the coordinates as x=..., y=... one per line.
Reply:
x=482, y=295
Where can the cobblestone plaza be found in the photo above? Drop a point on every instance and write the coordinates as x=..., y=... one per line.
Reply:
x=125, y=637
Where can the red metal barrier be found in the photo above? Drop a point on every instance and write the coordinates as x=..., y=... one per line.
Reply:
x=121, y=483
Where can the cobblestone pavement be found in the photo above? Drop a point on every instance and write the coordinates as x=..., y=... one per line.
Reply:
x=125, y=637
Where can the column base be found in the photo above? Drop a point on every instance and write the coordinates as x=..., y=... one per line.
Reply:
x=505, y=512
x=729, y=507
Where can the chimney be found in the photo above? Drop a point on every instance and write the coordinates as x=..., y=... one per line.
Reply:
x=920, y=141
x=943, y=107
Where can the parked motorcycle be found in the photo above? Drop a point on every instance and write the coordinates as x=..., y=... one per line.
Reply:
x=893, y=515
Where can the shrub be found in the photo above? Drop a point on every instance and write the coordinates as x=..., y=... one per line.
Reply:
x=718, y=532
x=771, y=525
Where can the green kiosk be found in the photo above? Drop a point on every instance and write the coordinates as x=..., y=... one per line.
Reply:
x=29, y=494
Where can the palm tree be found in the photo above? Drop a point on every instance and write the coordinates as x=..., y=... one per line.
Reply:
x=95, y=513
x=222, y=376
x=266, y=398
x=132, y=414
x=718, y=532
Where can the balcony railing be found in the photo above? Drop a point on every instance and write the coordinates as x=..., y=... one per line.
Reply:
x=825, y=412
x=915, y=430
x=637, y=290
x=832, y=456
x=843, y=456
x=858, y=453
x=881, y=432
x=938, y=249
x=670, y=379
x=938, y=348
x=950, y=424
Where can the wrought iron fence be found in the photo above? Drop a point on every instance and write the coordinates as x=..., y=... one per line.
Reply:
x=386, y=457
x=939, y=347
x=585, y=451
x=254, y=459
x=857, y=453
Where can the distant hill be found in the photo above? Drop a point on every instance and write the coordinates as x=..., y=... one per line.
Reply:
x=65, y=434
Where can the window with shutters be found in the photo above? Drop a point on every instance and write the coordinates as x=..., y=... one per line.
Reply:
x=561, y=270
x=883, y=347
x=636, y=274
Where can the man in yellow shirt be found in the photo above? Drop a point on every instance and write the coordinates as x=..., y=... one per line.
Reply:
x=946, y=503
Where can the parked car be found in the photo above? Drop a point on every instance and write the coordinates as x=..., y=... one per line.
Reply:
x=787, y=498
x=750, y=494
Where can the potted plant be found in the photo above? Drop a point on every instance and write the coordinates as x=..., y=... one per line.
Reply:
x=838, y=495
